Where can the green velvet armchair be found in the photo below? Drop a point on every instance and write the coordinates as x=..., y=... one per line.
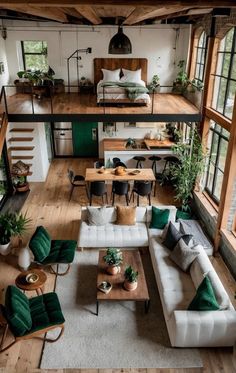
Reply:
x=48, y=252
x=28, y=318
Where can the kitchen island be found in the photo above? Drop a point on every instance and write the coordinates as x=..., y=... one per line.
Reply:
x=145, y=148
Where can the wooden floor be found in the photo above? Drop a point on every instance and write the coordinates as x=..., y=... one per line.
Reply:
x=48, y=205
x=164, y=103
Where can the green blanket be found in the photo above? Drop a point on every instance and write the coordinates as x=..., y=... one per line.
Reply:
x=133, y=90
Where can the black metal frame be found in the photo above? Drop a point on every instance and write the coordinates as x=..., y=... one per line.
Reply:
x=27, y=53
x=214, y=164
x=228, y=78
x=10, y=188
x=202, y=58
x=75, y=55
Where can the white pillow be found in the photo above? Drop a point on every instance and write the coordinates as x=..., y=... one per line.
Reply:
x=131, y=76
x=111, y=75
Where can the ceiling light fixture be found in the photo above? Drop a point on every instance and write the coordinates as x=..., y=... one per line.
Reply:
x=120, y=43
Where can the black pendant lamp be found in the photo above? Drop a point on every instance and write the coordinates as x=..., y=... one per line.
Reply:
x=120, y=43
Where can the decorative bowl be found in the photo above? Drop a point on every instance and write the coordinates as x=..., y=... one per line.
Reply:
x=135, y=172
x=102, y=170
x=31, y=278
x=120, y=170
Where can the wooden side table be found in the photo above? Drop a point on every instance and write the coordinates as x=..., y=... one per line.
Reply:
x=22, y=284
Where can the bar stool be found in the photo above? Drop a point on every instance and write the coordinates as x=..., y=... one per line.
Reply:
x=158, y=175
x=139, y=160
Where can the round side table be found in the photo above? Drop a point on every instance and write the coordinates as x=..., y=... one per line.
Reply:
x=22, y=284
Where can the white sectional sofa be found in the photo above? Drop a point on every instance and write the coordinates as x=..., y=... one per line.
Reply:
x=176, y=288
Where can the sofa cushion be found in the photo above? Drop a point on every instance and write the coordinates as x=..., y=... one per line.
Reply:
x=175, y=224
x=204, y=299
x=182, y=255
x=193, y=227
x=159, y=217
x=62, y=251
x=98, y=216
x=17, y=311
x=172, y=237
x=110, y=214
x=126, y=215
x=172, y=215
x=40, y=244
x=113, y=235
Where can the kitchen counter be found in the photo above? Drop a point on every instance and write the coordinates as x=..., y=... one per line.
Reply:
x=116, y=148
x=141, y=145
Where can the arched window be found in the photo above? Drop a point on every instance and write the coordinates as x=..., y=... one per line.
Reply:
x=200, y=57
x=225, y=77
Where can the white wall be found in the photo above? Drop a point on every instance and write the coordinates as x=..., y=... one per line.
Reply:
x=162, y=45
x=5, y=75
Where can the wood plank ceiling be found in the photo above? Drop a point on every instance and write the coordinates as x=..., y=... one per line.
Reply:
x=111, y=12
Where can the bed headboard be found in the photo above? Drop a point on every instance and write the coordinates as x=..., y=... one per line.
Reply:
x=116, y=63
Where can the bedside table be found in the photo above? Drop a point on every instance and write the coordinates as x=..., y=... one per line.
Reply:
x=87, y=88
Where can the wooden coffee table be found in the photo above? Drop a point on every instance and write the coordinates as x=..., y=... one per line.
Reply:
x=22, y=284
x=118, y=293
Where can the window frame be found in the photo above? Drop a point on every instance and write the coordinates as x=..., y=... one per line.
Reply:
x=203, y=50
x=30, y=53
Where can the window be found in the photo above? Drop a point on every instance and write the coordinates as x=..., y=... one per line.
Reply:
x=225, y=78
x=218, y=144
x=200, y=58
x=35, y=55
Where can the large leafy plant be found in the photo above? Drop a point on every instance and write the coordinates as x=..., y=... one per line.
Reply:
x=185, y=172
x=12, y=224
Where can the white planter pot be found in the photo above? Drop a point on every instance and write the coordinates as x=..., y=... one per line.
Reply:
x=5, y=249
x=24, y=258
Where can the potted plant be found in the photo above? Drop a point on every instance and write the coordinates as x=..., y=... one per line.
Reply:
x=185, y=172
x=131, y=276
x=113, y=258
x=182, y=81
x=154, y=85
x=11, y=224
x=20, y=183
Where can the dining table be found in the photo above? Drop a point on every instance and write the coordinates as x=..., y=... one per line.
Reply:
x=109, y=174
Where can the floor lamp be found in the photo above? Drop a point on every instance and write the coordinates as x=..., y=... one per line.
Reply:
x=76, y=56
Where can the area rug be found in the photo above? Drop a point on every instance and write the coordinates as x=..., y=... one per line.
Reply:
x=122, y=336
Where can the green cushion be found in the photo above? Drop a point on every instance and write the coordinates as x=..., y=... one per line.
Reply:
x=40, y=244
x=204, y=299
x=62, y=251
x=45, y=311
x=159, y=218
x=17, y=311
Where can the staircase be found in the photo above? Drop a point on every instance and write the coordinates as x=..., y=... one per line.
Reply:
x=20, y=146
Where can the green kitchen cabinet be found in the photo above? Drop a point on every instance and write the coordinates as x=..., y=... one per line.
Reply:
x=85, y=139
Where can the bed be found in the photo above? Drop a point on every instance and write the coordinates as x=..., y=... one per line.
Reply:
x=121, y=81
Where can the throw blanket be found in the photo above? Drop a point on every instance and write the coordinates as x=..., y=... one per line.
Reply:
x=133, y=90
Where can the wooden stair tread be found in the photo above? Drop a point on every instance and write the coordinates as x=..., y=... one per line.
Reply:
x=21, y=139
x=20, y=148
x=22, y=157
x=22, y=130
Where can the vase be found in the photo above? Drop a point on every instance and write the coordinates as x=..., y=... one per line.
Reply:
x=5, y=249
x=113, y=269
x=130, y=286
x=24, y=258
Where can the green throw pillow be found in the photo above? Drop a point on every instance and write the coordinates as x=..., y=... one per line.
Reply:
x=159, y=218
x=204, y=299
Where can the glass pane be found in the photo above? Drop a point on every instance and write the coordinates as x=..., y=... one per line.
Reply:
x=214, y=147
x=33, y=46
x=197, y=71
x=233, y=71
x=222, y=154
x=201, y=73
x=225, y=133
x=226, y=64
x=215, y=92
x=199, y=52
x=218, y=184
x=229, y=40
x=210, y=177
x=221, y=95
x=230, y=99
x=36, y=62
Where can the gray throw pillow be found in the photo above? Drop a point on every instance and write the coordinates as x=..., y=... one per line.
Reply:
x=97, y=216
x=182, y=255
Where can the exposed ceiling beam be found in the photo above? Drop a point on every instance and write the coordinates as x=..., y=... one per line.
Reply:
x=89, y=13
x=142, y=13
x=71, y=12
x=73, y=3
x=53, y=14
x=113, y=11
x=185, y=13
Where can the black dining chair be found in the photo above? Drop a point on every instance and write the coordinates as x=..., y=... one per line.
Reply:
x=115, y=161
x=120, y=188
x=142, y=188
x=158, y=175
x=76, y=181
x=99, y=189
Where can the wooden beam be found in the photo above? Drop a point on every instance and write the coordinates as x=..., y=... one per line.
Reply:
x=71, y=12
x=218, y=118
x=228, y=182
x=50, y=13
x=142, y=13
x=155, y=3
x=89, y=13
x=3, y=131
